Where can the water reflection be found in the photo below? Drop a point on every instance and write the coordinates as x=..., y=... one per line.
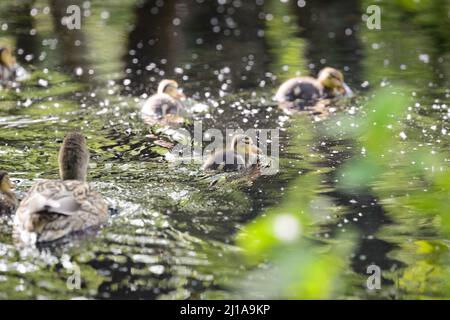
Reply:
x=154, y=45
x=178, y=38
x=331, y=29
x=24, y=23
x=72, y=46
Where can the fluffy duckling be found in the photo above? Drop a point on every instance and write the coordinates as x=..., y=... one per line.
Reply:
x=8, y=200
x=299, y=93
x=10, y=71
x=54, y=208
x=164, y=107
x=242, y=154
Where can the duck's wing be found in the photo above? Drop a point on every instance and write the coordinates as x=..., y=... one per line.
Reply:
x=224, y=160
x=159, y=105
x=304, y=89
x=49, y=196
x=54, y=208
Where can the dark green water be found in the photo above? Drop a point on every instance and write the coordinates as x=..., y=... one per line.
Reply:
x=170, y=235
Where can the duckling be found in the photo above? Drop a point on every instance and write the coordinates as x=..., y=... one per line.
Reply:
x=303, y=92
x=10, y=71
x=164, y=107
x=55, y=208
x=241, y=155
x=8, y=201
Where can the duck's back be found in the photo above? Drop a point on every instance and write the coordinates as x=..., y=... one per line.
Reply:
x=301, y=91
x=160, y=105
x=225, y=160
x=55, y=208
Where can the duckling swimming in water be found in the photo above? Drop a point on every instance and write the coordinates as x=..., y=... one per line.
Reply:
x=8, y=201
x=242, y=154
x=54, y=208
x=299, y=93
x=10, y=71
x=164, y=107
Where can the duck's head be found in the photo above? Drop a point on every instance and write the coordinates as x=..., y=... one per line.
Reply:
x=243, y=144
x=170, y=87
x=73, y=157
x=333, y=80
x=6, y=57
x=5, y=183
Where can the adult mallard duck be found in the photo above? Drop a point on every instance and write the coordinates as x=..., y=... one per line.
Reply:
x=10, y=71
x=165, y=107
x=8, y=200
x=54, y=208
x=300, y=93
x=242, y=154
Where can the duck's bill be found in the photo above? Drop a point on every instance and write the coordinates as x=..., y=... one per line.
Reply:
x=346, y=90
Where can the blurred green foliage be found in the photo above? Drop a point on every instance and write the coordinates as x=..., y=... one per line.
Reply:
x=389, y=153
x=392, y=156
x=288, y=263
x=280, y=247
x=282, y=32
x=377, y=133
x=300, y=268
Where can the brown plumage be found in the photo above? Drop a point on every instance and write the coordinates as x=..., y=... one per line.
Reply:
x=242, y=154
x=55, y=208
x=8, y=200
x=165, y=107
x=301, y=93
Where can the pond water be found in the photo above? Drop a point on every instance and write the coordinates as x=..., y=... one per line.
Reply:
x=171, y=235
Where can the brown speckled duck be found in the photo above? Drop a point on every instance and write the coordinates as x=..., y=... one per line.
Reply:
x=297, y=94
x=10, y=71
x=241, y=155
x=8, y=200
x=164, y=107
x=53, y=209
